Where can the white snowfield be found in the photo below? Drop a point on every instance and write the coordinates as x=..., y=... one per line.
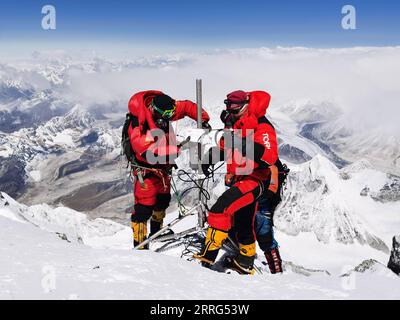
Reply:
x=58, y=253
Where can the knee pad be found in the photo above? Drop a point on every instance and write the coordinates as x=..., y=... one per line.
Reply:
x=163, y=200
x=158, y=216
x=141, y=213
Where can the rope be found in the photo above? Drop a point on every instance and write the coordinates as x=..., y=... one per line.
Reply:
x=182, y=209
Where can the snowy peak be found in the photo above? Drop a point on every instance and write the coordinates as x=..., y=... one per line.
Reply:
x=370, y=267
x=318, y=200
x=57, y=129
x=13, y=90
x=26, y=152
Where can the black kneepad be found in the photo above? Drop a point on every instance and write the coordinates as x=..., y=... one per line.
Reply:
x=163, y=200
x=141, y=213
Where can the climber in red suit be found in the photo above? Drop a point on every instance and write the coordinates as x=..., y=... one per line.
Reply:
x=247, y=171
x=154, y=153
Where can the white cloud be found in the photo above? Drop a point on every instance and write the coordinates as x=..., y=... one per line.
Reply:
x=364, y=82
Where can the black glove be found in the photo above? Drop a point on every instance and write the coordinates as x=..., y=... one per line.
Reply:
x=206, y=125
x=168, y=169
x=206, y=169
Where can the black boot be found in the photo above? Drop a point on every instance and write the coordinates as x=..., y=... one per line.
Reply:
x=244, y=261
x=155, y=226
x=274, y=260
x=208, y=258
x=243, y=264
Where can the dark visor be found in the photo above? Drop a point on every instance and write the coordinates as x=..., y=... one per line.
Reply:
x=229, y=102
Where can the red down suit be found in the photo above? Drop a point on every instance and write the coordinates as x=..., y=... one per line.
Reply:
x=247, y=170
x=154, y=194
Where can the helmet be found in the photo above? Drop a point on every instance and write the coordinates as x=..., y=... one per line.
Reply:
x=164, y=106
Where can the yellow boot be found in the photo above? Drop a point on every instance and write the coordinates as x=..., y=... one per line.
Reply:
x=212, y=244
x=244, y=262
x=139, y=233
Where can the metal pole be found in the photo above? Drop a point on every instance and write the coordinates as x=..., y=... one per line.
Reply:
x=199, y=101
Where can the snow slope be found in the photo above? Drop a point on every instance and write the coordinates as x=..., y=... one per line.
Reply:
x=59, y=254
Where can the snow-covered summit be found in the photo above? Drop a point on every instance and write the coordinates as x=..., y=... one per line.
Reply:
x=49, y=253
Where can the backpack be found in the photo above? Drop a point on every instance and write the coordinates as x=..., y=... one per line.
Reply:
x=126, y=147
x=283, y=172
x=269, y=205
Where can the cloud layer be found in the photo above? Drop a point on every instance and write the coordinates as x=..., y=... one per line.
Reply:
x=363, y=82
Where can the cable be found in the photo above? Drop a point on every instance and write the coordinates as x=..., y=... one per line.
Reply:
x=198, y=183
x=182, y=208
x=192, y=242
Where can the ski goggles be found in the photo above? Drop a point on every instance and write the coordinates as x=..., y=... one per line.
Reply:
x=235, y=107
x=165, y=114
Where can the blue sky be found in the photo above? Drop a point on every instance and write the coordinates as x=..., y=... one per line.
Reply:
x=205, y=24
